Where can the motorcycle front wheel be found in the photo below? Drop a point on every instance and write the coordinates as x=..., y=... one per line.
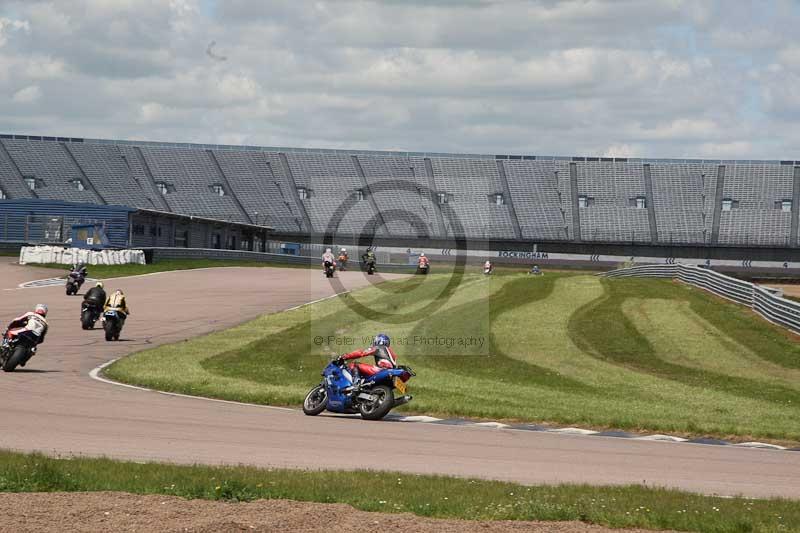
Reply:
x=316, y=401
x=16, y=358
x=380, y=407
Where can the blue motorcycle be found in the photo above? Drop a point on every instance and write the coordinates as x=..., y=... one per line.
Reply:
x=371, y=396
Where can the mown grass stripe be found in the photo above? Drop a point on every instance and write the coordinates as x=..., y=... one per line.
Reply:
x=558, y=350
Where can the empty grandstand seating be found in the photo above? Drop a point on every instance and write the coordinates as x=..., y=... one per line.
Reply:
x=401, y=192
x=611, y=189
x=106, y=170
x=758, y=218
x=50, y=165
x=11, y=179
x=332, y=181
x=683, y=194
x=134, y=160
x=731, y=203
x=541, y=194
x=470, y=210
x=265, y=194
x=192, y=174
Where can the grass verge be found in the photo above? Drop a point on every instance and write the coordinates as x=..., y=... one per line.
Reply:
x=168, y=265
x=641, y=355
x=430, y=496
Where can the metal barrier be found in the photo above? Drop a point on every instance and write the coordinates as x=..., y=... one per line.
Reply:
x=765, y=301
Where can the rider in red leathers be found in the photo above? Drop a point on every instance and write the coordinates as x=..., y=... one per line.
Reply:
x=380, y=349
x=31, y=328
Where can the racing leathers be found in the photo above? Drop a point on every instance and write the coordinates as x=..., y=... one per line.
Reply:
x=31, y=326
x=384, y=358
x=79, y=271
x=116, y=302
x=96, y=296
x=343, y=260
x=328, y=257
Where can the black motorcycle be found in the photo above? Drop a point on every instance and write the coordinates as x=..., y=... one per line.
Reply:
x=113, y=320
x=330, y=268
x=368, y=264
x=16, y=348
x=74, y=283
x=90, y=313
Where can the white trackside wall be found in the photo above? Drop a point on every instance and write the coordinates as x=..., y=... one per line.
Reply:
x=71, y=256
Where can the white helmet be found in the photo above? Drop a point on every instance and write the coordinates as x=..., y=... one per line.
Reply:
x=344, y=249
x=327, y=250
x=40, y=309
x=422, y=254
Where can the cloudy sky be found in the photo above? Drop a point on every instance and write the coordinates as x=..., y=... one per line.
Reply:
x=650, y=78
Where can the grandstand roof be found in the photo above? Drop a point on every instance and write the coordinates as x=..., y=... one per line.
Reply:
x=202, y=146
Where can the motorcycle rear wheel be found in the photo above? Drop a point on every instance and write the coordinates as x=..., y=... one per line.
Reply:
x=109, y=327
x=16, y=358
x=316, y=400
x=380, y=407
x=86, y=320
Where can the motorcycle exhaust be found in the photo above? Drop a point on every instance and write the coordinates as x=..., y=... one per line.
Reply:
x=402, y=400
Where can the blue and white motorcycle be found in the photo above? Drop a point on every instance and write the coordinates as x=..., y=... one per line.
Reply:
x=371, y=396
x=113, y=320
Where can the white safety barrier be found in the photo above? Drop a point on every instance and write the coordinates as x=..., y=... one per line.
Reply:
x=765, y=301
x=70, y=256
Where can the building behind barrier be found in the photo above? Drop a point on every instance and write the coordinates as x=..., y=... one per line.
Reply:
x=36, y=221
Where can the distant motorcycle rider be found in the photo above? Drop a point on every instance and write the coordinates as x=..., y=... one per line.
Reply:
x=32, y=327
x=369, y=256
x=328, y=261
x=422, y=264
x=79, y=271
x=382, y=352
x=96, y=295
x=328, y=257
x=343, y=257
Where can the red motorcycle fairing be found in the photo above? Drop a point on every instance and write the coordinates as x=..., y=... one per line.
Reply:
x=14, y=332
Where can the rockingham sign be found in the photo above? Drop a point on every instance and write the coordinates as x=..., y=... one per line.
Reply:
x=511, y=254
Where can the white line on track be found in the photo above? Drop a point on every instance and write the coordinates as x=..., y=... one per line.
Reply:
x=95, y=373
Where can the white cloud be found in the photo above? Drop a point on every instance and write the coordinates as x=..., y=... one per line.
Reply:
x=620, y=77
x=27, y=95
x=8, y=25
x=44, y=68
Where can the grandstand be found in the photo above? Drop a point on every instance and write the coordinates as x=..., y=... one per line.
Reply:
x=420, y=195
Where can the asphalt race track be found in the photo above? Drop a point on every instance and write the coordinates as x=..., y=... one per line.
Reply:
x=55, y=407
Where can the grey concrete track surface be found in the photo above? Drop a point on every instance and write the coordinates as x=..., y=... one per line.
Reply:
x=53, y=406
